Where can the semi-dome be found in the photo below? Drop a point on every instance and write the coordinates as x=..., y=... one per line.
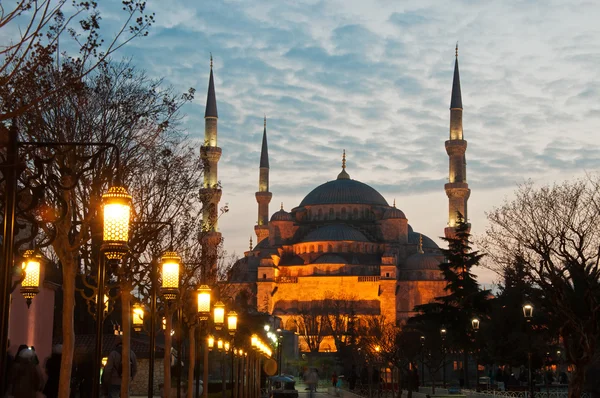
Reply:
x=335, y=232
x=392, y=213
x=423, y=261
x=343, y=191
x=281, y=215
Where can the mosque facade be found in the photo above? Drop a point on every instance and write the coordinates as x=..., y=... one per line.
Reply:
x=343, y=246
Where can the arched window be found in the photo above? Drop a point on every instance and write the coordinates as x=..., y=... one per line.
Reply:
x=311, y=249
x=343, y=213
x=320, y=249
x=329, y=248
x=331, y=214
x=264, y=276
x=355, y=213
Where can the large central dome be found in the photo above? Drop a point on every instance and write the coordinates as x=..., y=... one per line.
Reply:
x=343, y=191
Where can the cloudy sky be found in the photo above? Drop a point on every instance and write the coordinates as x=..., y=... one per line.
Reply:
x=374, y=78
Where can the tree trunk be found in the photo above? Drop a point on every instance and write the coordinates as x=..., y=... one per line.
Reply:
x=576, y=382
x=167, y=359
x=192, y=361
x=433, y=377
x=466, y=368
x=126, y=351
x=68, y=328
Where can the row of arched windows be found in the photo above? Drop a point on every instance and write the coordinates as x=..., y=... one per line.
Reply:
x=344, y=214
x=341, y=247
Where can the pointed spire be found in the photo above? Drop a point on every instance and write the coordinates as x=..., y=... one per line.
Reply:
x=394, y=202
x=281, y=206
x=264, y=152
x=251, y=243
x=456, y=100
x=420, y=248
x=343, y=175
x=211, y=98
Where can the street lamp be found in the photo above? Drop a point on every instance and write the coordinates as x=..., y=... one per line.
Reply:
x=117, y=211
x=203, y=302
x=475, y=324
x=220, y=344
x=232, y=319
x=422, y=361
x=30, y=285
x=170, y=275
x=219, y=315
x=528, y=314
x=138, y=317
x=211, y=342
x=443, y=333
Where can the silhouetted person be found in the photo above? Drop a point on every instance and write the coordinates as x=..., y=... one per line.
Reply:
x=113, y=370
x=26, y=379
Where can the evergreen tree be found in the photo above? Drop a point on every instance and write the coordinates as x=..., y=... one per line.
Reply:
x=464, y=300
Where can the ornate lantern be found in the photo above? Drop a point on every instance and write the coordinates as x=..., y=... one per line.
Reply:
x=220, y=344
x=232, y=322
x=211, y=342
x=117, y=211
x=227, y=346
x=30, y=286
x=203, y=302
x=138, y=317
x=475, y=324
x=170, y=275
x=219, y=315
x=254, y=341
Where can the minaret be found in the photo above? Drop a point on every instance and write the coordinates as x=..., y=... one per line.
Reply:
x=210, y=194
x=263, y=196
x=457, y=188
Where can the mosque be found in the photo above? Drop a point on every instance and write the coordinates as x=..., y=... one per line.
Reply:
x=343, y=244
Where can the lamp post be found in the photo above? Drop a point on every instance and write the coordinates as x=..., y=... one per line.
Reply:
x=203, y=314
x=280, y=350
x=138, y=317
x=116, y=205
x=475, y=325
x=422, y=339
x=528, y=314
x=30, y=286
x=232, y=320
x=443, y=333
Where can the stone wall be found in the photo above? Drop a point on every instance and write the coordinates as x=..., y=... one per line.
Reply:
x=139, y=385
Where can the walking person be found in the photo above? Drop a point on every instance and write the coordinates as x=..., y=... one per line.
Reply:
x=334, y=379
x=53, y=372
x=112, y=375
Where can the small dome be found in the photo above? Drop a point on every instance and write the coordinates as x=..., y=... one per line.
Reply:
x=423, y=261
x=414, y=237
x=393, y=212
x=334, y=233
x=281, y=215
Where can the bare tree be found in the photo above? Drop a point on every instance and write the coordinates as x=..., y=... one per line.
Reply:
x=312, y=323
x=122, y=106
x=554, y=231
x=40, y=25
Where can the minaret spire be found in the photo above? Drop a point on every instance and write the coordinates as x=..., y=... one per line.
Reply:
x=457, y=188
x=263, y=196
x=210, y=194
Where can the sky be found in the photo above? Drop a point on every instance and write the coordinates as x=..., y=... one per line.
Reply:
x=374, y=78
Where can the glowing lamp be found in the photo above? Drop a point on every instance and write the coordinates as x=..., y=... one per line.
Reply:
x=227, y=346
x=219, y=315
x=164, y=323
x=30, y=286
x=170, y=275
x=443, y=333
x=422, y=341
x=220, y=344
x=138, y=317
x=475, y=324
x=254, y=341
x=211, y=341
x=203, y=302
x=106, y=304
x=528, y=311
x=116, y=204
x=104, y=361
x=232, y=322
x=377, y=348
x=267, y=328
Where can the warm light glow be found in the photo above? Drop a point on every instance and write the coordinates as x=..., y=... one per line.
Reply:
x=211, y=341
x=219, y=314
x=31, y=267
x=204, y=301
x=227, y=346
x=528, y=311
x=377, y=348
x=170, y=274
x=164, y=323
x=106, y=303
x=232, y=321
x=254, y=341
x=104, y=361
x=138, y=317
x=267, y=328
x=117, y=212
x=475, y=324
x=220, y=344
